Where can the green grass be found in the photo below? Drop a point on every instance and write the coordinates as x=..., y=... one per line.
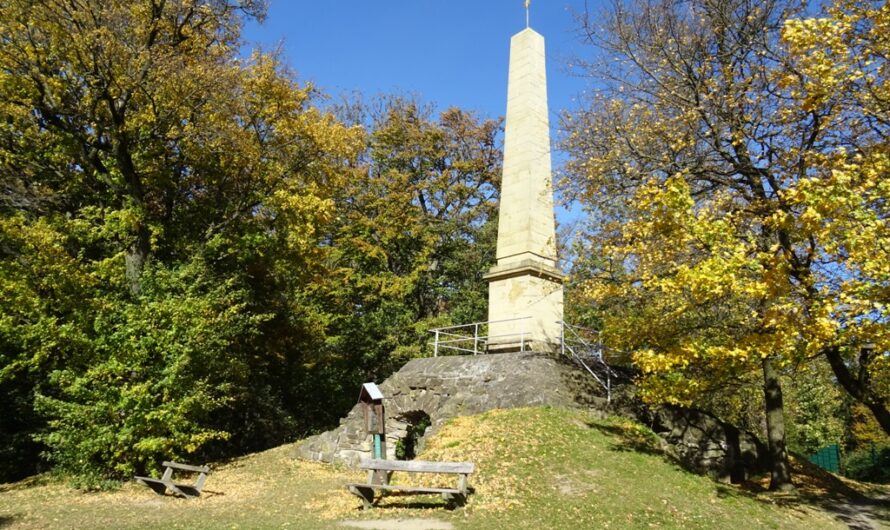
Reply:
x=536, y=468
x=265, y=490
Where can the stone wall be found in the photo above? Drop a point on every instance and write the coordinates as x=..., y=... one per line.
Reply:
x=444, y=387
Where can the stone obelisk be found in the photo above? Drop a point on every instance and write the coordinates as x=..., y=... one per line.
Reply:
x=525, y=294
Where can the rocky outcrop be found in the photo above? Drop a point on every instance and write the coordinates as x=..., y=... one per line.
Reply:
x=696, y=440
x=444, y=387
x=702, y=443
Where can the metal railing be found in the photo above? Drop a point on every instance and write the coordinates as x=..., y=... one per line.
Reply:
x=588, y=353
x=458, y=338
x=474, y=339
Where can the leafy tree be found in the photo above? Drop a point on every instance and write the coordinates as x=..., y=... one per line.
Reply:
x=163, y=201
x=415, y=230
x=190, y=246
x=862, y=430
x=838, y=74
x=108, y=88
x=740, y=212
x=871, y=465
x=162, y=366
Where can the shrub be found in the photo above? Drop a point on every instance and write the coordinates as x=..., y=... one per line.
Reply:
x=160, y=368
x=870, y=464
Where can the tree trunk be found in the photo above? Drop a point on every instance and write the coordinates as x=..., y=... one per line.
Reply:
x=859, y=389
x=880, y=412
x=780, y=470
x=135, y=259
x=139, y=250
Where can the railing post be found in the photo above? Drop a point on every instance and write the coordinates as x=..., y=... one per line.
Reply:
x=562, y=339
x=436, y=347
x=608, y=384
x=476, y=339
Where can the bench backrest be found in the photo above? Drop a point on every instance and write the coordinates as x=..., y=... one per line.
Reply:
x=419, y=466
x=201, y=470
x=186, y=467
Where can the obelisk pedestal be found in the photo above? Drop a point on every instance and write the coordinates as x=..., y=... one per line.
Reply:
x=525, y=294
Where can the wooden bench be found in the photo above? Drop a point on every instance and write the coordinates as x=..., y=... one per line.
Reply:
x=383, y=468
x=160, y=486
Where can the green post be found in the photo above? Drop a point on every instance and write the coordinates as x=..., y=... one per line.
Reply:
x=378, y=452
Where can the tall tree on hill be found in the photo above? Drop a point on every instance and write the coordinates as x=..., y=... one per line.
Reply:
x=741, y=218
x=159, y=223
x=839, y=70
x=414, y=232
x=114, y=87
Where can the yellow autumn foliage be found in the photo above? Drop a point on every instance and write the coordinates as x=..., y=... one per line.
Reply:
x=742, y=198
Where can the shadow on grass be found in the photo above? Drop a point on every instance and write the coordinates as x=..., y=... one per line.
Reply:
x=856, y=509
x=6, y=520
x=859, y=513
x=819, y=489
x=412, y=505
x=212, y=493
x=632, y=439
x=816, y=487
x=42, y=479
x=431, y=504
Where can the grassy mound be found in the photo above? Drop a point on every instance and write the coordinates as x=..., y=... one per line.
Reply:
x=553, y=468
x=536, y=468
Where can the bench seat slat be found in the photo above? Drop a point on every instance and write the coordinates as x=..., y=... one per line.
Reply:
x=419, y=466
x=149, y=479
x=158, y=486
x=407, y=489
x=456, y=495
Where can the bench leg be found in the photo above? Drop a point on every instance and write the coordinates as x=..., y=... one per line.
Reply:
x=184, y=491
x=454, y=499
x=458, y=499
x=366, y=494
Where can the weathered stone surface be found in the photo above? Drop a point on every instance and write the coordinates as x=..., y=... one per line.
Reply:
x=697, y=440
x=704, y=444
x=526, y=284
x=445, y=387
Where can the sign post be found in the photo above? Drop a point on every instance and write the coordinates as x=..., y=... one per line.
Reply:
x=371, y=399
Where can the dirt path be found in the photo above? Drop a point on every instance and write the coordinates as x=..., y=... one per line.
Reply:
x=399, y=524
x=862, y=513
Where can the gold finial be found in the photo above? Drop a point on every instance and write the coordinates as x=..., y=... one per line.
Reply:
x=528, y=4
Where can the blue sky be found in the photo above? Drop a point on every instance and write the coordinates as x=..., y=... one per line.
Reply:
x=448, y=52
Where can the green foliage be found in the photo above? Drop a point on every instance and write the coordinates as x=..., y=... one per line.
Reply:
x=869, y=464
x=160, y=367
x=19, y=453
x=160, y=227
x=816, y=409
x=862, y=430
x=195, y=259
x=406, y=448
x=414, y=232
x=43, y=326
